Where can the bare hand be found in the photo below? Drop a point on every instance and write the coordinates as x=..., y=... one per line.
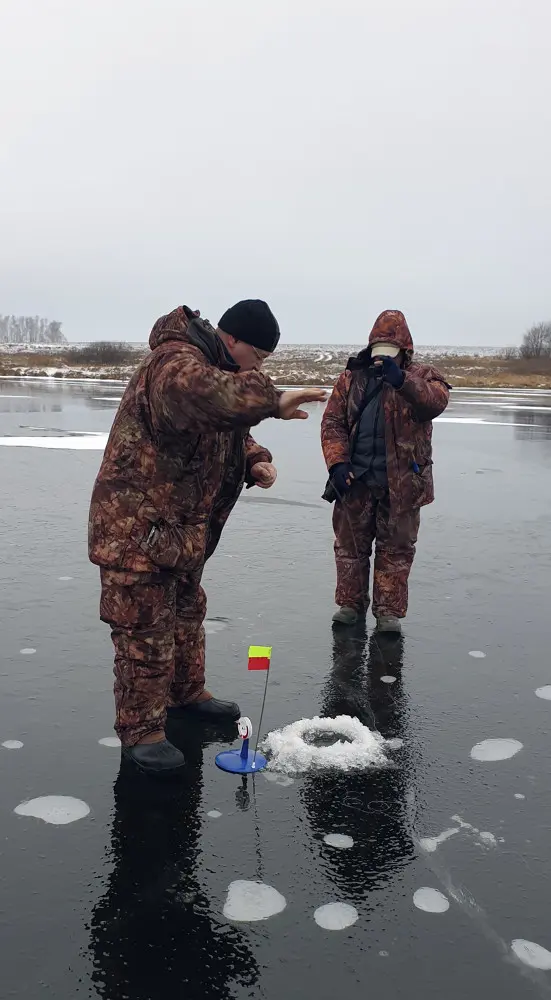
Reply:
x=290, y=402
x=264, y=474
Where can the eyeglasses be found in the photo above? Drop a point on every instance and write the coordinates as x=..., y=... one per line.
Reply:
x=259, y=355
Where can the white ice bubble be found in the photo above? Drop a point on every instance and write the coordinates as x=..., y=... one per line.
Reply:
x=291, y=752
x=477, y=654
x=28, y=651
x=430, y=900
x=56, y=809
x=278, y=779
x=65, y=578
x=340, y=840
x=431, y=844
x=109, y=741
x=214, y=813
x=519, y=795
x=250, y=901
x=488, y=838
x=490, y=750
x=388, y=679
x=531, y=954
x=544, y=692
x=395, y=743
x=335, y=916
x=12, y=744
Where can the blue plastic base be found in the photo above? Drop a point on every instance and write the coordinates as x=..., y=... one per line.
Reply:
x=232, y=761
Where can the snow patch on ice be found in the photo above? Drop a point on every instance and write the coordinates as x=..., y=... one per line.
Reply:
x=340, y=840
x=519, y=795
x=395, y=743
x=96, y=442
x=335, y=916
x=28, y=651
x=388, y=679
x=491, y=750
x=109, y=741
x=531, y=954
x=544, y=692
x=250, y=901
x=431, y=844
x=214, y=813
x=360, y=747
x=56, y=809
x=65, y=578
x=477, y=654
x=430, y=900
x=12, y=744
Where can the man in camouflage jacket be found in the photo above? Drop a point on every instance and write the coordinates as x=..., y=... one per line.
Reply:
x=376, y=439
x=176, y=460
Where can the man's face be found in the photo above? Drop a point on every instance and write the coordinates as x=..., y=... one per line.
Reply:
x=248, y=358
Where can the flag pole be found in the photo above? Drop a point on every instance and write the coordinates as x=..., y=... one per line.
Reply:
x=261, y=715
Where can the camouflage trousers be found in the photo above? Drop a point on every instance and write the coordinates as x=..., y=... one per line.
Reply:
x=157, y=629
x=363, y=517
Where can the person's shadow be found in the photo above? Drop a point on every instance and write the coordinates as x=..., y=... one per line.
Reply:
x=153, y=934
x=369, y=806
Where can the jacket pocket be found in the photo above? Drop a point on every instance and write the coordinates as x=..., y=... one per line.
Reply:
x=422, y=484
x=172, y=546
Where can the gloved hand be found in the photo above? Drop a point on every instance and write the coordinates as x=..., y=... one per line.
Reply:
x=341, y=476
x=392, y=373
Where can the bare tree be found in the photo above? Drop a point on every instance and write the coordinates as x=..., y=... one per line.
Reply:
x=30, y=330
x=536, y=342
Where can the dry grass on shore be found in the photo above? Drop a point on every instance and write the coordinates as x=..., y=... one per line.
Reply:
x=289, y=366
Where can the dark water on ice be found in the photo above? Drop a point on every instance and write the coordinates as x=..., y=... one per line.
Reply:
x=128, y=901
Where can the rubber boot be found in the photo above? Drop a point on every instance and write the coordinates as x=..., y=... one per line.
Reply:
x=345, y=616
x=211, y=710
x=158, y=759
x=387, y=623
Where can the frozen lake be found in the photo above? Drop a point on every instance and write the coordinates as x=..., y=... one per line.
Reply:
x=425, y=879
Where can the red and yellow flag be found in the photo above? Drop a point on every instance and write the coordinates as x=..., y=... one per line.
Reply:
x=259, y=657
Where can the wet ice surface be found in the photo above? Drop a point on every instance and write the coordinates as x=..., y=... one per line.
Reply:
x=99, y=907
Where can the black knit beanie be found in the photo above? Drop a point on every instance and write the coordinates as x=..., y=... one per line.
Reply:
x=253, y=322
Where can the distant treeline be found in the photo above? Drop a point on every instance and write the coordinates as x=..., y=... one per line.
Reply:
x=30, y=330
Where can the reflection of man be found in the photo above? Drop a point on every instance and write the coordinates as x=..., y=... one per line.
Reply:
x=376, y=439
x=369, y=805
x=153, y=933
x=175, y=463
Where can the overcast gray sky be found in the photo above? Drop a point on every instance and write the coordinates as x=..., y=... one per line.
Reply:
x=335, y=158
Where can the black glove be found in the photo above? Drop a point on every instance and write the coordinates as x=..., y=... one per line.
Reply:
x=392, y=373
x=341, y=476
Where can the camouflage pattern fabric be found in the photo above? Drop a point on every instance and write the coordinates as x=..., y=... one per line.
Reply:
x=363, y=517
x=157, y=630
x=408, y=414
x=175, y=463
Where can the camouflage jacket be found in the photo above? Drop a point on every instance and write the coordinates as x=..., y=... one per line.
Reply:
x=408, y=413
x=179, y=451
